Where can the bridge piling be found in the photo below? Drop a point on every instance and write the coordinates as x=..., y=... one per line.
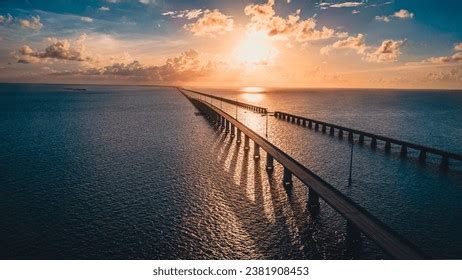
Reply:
x=373, y=142
x=269, y=162
x=324, y=128
x=287, y=178
x=361, y=139
x=238, y=140
x=246, y=142
x=232, y=131
x=310, y=124
x=316, y=126
x=350, y=136
x=423, y=156
x=340, y=133
x=332, y=131
x=358, y=218
x=256, y=150
x=387, y=146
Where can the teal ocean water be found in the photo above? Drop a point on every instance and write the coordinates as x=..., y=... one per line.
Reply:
x=128, y=172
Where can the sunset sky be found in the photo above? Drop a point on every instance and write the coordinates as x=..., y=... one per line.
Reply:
x=286, y=43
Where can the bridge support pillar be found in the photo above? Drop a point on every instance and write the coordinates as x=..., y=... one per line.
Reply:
x=403, y=152
x=313, y=200
x=332, y=131
x=232, y=131
x=373, y=143
x=269, y=162
x=350, y=136
x=293, y=120
x=246, y=142
x=310, y=124
x=423, y=156
x=361, y=139
x=316, y=126
x=256, y=150
x=324, y=128
x=227, y=126
x=238, y=140
x=387, y=146
x=304, y=122
x=340, y=133
x=287, y=178
x=223, y=122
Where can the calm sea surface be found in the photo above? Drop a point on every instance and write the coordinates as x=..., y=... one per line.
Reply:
x=132, y=172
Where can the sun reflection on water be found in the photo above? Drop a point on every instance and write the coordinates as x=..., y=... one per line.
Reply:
x=252, y=89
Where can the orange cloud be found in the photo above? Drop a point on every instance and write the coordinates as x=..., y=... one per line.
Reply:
x=59, y=49
x=185, y=67
x=264, y=18
x=211, y=23
x=34, y=23
x=388, y=51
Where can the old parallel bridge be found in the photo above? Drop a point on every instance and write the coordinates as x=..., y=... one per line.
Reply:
x=388, y=142
x=358, y=219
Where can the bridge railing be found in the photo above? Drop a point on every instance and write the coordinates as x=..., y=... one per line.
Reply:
x=404, y=145
x=247, y=106
x=358, y=219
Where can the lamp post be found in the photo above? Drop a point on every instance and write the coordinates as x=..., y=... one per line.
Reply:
x=236, y=107
x=266, y=126
x=351, y=164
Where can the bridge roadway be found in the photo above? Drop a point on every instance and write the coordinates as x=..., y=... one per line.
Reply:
x=358, y=219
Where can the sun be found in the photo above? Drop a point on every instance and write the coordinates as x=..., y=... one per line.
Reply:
x=255, y=49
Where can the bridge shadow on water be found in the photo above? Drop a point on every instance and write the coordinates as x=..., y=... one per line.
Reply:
x=276, y=217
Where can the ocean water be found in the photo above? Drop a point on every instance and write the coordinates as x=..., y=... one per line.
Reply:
x=128, y=172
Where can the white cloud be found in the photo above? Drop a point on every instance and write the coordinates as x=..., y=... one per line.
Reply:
x=401, y=14
x=147, y=2
x=104, y=8
x=188, y=14
x=86, y=19
x=346, y=5
x=382, y=18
